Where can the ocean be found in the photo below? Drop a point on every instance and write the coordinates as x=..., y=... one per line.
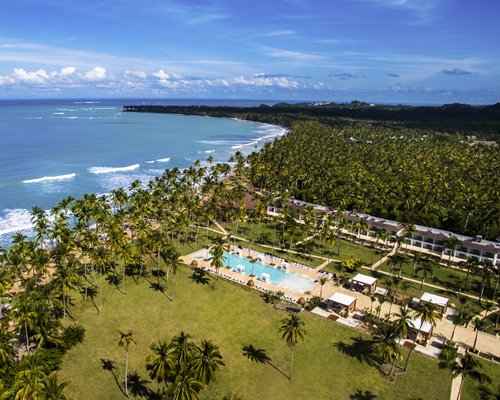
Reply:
x=50, y=149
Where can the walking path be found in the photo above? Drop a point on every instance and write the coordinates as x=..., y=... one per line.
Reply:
x=425, y=284
x=456, y=382
x=384, y=259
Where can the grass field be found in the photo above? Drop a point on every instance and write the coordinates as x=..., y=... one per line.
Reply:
x=443, y=276
x=330, y=364
x=470, y=389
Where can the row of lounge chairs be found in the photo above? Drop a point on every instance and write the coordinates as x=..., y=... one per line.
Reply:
x=277, y=260
x=326, y=273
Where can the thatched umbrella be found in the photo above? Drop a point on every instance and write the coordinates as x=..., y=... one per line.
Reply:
x=194, y=263
x=301, y=301
x=251, y=283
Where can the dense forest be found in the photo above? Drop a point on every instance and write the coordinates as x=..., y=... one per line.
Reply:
x=481, y=121
x=388, y=161
x=433, y=179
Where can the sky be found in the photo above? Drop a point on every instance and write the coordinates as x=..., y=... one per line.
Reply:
x=388, y=51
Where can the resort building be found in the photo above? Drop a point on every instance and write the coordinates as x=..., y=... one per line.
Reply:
x=364, y=284
x=341, y=304
x=441, y=303
x=439, y=243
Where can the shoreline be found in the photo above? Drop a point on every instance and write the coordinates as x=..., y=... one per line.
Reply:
x=18, y=219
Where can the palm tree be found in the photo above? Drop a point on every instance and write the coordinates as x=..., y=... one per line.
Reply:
x=160, y=363
x=480, y=325
x=322, y=282
x=52, y=389
x=182, y=348
x=7, y=351
x=217, y=252
x=292, y=332
x=452, y=243
x=468, y=366
x=426, y=268
x=386, y=341
x=125, y=339
x=185, y=386
x=426, y=313
x=206, y=362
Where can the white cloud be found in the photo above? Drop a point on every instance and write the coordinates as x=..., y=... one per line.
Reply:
x=162, y=74
x=66, y=71
x=96, y=74
x=40, y=76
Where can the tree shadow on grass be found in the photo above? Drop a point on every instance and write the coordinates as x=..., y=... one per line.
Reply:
x=259, y=356
x=361, y=349
x=108, y=365
x=115, y=280
x=360, y=395
x=138, y=386
x=90, y=293
x=158, y=274
x=200, y=277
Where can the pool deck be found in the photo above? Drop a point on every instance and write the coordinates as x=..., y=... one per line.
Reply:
x=464, y=336
x=290, y=294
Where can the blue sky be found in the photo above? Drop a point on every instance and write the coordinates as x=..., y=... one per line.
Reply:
x=412, y=51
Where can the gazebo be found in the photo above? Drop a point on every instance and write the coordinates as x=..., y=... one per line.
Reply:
x=364, y=283
x=440, y=302
x=341, y=303
x=420, y=332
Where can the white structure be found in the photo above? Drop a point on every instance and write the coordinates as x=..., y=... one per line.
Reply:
x=427, y=240
x=341, y=303
x=420, y=332
x=441, y=303
x=367, y=283
x=265, y=277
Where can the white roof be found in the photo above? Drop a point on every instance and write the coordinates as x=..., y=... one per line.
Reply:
x=434, y=299
x=264, y=275
x=415, y=323
x=342, y=298
x=367, y=280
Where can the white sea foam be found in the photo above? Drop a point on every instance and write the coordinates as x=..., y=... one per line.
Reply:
x=220, y=142
x=50, y=178
x=58, y=113
x=15, y=220
x=150, y=162
x=163, y=160
x=109, y=170
x=209, y=151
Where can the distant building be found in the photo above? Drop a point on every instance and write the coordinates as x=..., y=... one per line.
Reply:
x=431, y=241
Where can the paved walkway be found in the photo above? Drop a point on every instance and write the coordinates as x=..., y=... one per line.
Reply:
x=425, y=284
x=464, y=336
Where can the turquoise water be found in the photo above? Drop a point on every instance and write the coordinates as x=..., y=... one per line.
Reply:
x=285, y=280
x=257, y=268
x=55, y=148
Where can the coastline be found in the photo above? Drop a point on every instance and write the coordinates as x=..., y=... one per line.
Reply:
x=15, y=218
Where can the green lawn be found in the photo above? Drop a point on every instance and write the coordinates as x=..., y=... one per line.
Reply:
x=470, y=389
x=451, y=278
x=367, y=254
x=347, y=248
x=233, y=316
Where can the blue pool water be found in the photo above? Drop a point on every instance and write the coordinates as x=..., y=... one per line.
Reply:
x=257, y=267
x=285, y=280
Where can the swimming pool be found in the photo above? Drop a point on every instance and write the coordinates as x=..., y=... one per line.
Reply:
x=282, y=279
